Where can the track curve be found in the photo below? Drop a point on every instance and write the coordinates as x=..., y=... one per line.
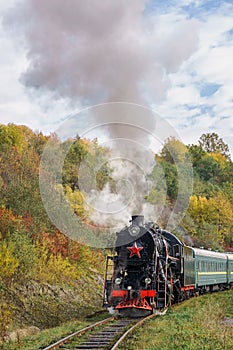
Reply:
x=76, y=334
x=105, y=335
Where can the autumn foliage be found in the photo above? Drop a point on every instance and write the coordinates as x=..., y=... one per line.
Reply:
x=208, y=221
x=32, y=248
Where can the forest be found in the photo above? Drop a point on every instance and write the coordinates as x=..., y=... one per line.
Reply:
x=33, y=249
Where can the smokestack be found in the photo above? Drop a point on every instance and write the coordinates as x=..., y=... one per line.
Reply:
x=137, y=220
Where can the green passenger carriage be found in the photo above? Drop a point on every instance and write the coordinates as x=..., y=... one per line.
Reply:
x=229, y=268
x=210, y=268
x=206, y=269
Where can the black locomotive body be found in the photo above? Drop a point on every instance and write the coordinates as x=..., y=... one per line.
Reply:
x=147, y=270
x=152, y=268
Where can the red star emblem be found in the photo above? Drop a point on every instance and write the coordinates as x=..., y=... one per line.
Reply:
x=135, y=250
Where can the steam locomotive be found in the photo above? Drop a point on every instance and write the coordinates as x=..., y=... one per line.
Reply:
x=152, y=269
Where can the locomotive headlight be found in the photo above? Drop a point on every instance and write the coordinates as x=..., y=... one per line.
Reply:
x=118, y=280
x=148, y=280
x=129, y=287
x=134, y=230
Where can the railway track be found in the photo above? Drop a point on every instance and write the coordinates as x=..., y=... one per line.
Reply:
x=105, y=335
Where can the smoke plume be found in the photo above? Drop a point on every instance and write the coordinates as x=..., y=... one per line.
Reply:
x=91, y=51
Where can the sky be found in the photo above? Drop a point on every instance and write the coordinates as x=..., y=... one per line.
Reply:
x=174, y=57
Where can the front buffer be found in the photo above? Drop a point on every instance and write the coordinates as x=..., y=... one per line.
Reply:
x=132, y=303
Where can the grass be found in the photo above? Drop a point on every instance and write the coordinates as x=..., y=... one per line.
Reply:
x=49, y=336
x=193, y=325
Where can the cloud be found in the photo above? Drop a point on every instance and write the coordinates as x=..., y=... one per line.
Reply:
x=160, y=53
x=199, y=98
x=94, y=51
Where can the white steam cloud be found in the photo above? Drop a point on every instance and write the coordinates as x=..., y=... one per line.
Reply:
x=91, y=51
x=96, y=51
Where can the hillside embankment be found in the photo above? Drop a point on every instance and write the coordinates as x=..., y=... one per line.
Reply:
x=34, y=306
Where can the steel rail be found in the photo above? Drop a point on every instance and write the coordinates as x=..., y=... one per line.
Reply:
x=114, y=347
x=83, y=330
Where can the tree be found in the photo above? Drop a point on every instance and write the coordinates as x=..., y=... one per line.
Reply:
x=208, y=168
x=93, y=161
x=196, y=152
x=11, y=136
x=212, y=143
x=213, y=217
x=174, y=151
